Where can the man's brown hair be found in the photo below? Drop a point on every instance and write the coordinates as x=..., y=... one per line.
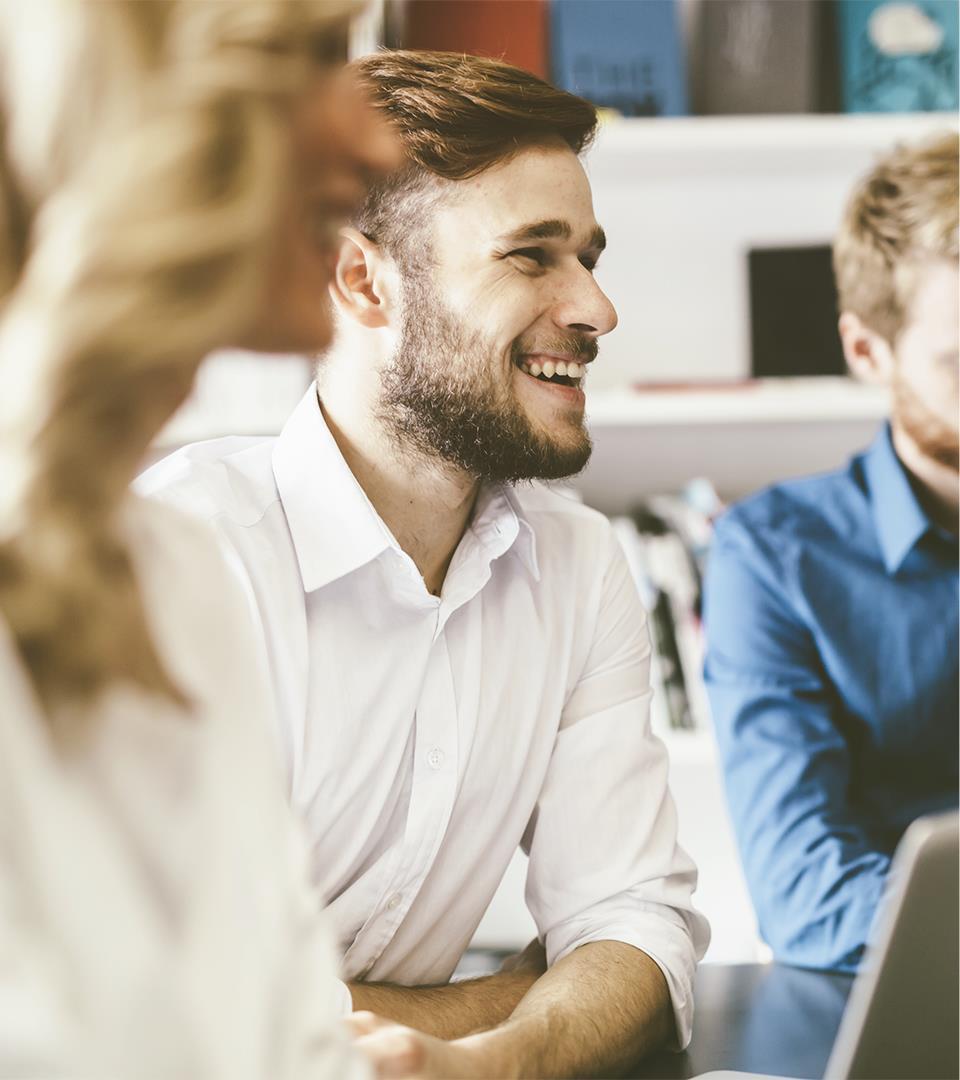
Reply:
x=455, y=116
x=903, y=213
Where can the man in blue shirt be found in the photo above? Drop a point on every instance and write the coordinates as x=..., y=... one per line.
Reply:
x=831, y=602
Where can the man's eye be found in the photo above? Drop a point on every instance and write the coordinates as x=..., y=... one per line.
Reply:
x=536, y=255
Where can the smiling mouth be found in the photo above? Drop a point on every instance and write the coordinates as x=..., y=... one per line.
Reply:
x=557, y=372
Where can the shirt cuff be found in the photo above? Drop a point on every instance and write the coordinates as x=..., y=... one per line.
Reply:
x=342, y=999
x=675, y=949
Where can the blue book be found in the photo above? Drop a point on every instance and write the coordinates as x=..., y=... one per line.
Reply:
x=898, y=56
x=621, y=54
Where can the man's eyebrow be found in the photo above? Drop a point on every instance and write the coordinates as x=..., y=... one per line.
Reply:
x=553, y=229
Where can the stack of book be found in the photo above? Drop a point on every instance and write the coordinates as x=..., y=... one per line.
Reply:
x=620, y=54
x=666, y=541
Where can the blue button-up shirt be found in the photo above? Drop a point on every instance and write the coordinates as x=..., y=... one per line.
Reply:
x=832, y=645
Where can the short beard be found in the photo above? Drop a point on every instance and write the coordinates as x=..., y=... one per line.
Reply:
x=441, y=397
x=932, y=436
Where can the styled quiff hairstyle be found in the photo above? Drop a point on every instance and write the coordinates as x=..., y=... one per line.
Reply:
x=455, y=116
x=142, y=156
x=903, y=213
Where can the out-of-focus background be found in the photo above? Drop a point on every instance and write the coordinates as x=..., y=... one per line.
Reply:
x=733, y=131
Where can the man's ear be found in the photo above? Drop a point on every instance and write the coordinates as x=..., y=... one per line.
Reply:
x=869, y=356
x=365, y=283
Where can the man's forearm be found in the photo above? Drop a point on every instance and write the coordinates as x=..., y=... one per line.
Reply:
x=449, y=1011
x=596, y=1012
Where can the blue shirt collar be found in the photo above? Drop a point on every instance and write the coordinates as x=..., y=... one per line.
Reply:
x=899, y=518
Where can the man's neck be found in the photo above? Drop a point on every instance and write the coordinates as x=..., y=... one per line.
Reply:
x=937, y=486
x=425, y=504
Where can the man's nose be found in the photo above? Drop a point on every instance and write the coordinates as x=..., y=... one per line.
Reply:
x=585, y=307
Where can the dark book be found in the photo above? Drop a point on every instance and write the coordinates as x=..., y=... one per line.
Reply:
x=793, y=313
x=511, y=30
x=620, y=54
x=765, y=56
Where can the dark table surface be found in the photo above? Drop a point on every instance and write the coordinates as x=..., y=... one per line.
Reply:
x=761, y=1018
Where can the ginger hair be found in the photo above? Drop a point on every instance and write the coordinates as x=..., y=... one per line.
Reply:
x=902, y=214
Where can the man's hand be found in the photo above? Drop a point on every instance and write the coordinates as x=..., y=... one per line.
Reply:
x=402, y=1053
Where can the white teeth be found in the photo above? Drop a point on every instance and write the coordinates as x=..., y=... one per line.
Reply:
x=569, y=368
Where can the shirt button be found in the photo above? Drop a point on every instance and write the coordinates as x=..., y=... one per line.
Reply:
x=435, y=758
x=394, y=901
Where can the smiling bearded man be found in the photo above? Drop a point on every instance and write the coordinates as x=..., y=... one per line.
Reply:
x=443, y=397
x=460, y=660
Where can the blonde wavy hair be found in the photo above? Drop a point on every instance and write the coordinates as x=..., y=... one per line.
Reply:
x=903, y=213
x=141, y=155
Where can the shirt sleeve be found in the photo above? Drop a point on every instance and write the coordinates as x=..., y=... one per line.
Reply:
x=814, y=875
x=604, y=860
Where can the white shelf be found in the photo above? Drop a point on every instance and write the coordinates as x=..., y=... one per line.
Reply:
x=762, y=401
x=769, y=134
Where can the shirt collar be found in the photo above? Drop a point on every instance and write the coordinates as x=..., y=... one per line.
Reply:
x=333, y=524
x=499, y=507
x=899, y=518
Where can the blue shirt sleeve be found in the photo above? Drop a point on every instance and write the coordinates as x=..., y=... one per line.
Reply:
x=814, y=876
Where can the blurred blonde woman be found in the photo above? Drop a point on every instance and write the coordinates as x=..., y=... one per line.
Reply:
x=171, y=178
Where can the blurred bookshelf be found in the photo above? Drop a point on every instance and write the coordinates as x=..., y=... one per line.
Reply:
x=685, y=202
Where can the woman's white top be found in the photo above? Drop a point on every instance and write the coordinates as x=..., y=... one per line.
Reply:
x=155, y=913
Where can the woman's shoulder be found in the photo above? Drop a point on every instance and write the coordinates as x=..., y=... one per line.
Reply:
x=197, y=606
x=182, y=564
x=160, y=534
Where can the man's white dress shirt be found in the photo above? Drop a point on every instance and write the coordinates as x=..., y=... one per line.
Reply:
x=425, y=738
x=156, y=914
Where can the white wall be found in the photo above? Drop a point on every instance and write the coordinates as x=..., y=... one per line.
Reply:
x=682, y=200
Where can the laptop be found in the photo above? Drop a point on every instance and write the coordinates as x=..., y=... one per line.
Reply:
x=901, y=1018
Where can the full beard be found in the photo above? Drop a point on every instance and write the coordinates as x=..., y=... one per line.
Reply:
x=934, y=437
x=442, y=398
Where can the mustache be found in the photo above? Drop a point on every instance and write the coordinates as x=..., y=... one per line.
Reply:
x=577, y=347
